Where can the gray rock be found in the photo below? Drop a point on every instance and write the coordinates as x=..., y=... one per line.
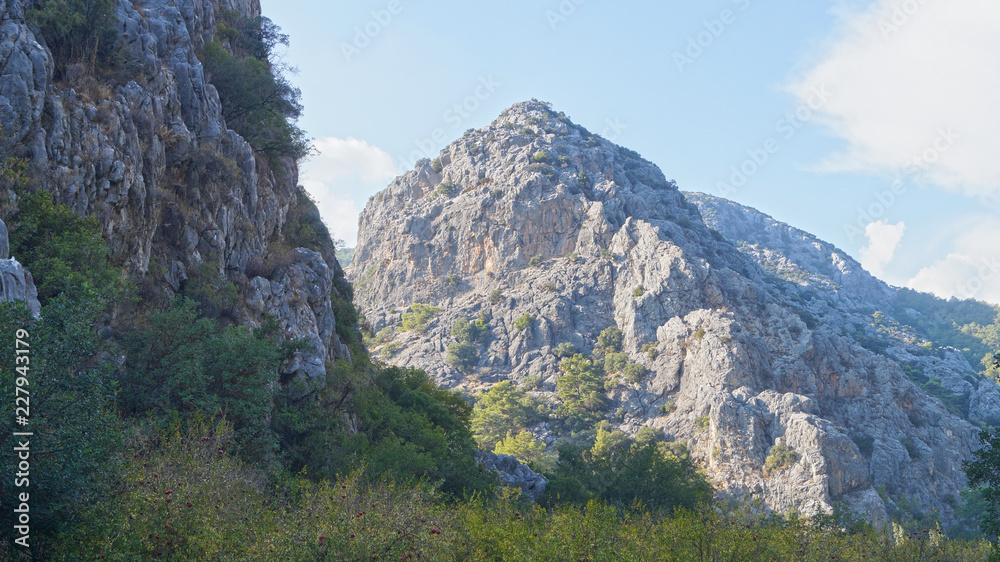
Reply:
x=512, y=473
x=765, y=358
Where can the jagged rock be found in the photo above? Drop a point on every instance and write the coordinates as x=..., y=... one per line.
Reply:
x=150, y=155
x=545, y=219
x=16, y=283
x=514, y=474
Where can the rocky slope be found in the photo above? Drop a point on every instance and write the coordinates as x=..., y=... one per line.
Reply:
x=149, y=154
x=533, y=215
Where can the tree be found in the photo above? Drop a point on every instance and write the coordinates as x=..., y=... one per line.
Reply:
x=984, y=472
x=503, y=410
x=527, y=449
x=462, y=356
x=581, y=390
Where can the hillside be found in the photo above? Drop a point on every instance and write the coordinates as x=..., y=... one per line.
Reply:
x=740, y=342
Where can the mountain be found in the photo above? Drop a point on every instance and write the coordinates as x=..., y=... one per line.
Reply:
x=147, y=133
x=788, y=372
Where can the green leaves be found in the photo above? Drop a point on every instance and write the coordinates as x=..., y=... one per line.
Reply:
x=984, y=472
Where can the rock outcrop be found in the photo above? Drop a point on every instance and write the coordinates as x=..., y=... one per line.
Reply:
x=512, y=473
x=533, y=218
x=148, y=152
x=16, y=283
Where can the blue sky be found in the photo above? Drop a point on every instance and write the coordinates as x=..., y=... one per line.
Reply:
x=872, y=124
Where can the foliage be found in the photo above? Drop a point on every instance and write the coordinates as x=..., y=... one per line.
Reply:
x=962, y=324
x=623, y=473
x=649, y=348
x=446, y=189
x=180, y=365
x=504, y=409
x=540, y=157
x=564, y=349
x=304, y=228
x=436, y=165
x=470, y=332
x=496, y=295
x=702, y=422
x=462, y=356
x=71, y=405
x=780, y=457
x=417, y=317
x=581, y=390
x=62, y=250
x=77, y=31
x=535, y=261
x=984, y=474
x=216, y=295
x=633, y=372
x=638, y=292
x=525, y=448
x=258, y=101
x=524, y=322
x=865, y=443
x=614, y=362
x=668, y=407
x=609, y=340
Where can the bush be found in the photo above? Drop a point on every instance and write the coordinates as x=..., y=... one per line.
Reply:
x=649, y=348
x=180, y=364
x=462, y=356
x=470, y=332
x=540, y=157
x=573, y=257
x=495, y=296
x=502, y=410
x=78, y=31
x=614, y=362
x=258, y=102
x=700, y=333
x=634, y=372
x=581, y=390
x=702, y=422
x=668, y=407
x=563, y=350
x=524, y=322
x=418, y=316
x=606, y=254
x=535, y=261
x=525, y=448
x=446, y=189
x=436, y=165
x=780, y=457
x=865, y=443
x=638, y=292
x=390, y=349
x=610, y=340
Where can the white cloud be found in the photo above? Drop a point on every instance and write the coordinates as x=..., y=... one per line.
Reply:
x=883, y=239
x=344, y=172
x=915, y=79
x=971, y=270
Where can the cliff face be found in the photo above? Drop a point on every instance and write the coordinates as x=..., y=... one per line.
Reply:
x=535, y=216
x=150, y=155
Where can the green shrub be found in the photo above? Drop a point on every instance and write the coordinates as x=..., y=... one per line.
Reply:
x=581, y=390
x=606, y=254
x=416, y=319
x=436, y=165
x=78, y=31
x=563, y=161
x=390, y=349
x=496, y=193
x=608, y=341
x=563, y=350
x=668, y=408
x=780, y=457
x=700, y=333
x=462, y=356
x=649, y=348
x=535, y=261
x=702, y=422
x=502, y=410
x=525, y=448
x=540, y=157
x=634, y=372
x=638, y=292
x=573, y=258
x=865, y=443
x=474, y=149
x=614, y=362
x=532, y=382
x=216, y=295
x=524, y=322
x=470, y=332
x=550, y=287
x=911, y=448
x=496, y=295
x=446, y=189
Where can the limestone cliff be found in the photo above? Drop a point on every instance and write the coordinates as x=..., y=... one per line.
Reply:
x=533, y=216
x=147, y=151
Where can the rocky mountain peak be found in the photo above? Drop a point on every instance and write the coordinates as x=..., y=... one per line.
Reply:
x=552, y=242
